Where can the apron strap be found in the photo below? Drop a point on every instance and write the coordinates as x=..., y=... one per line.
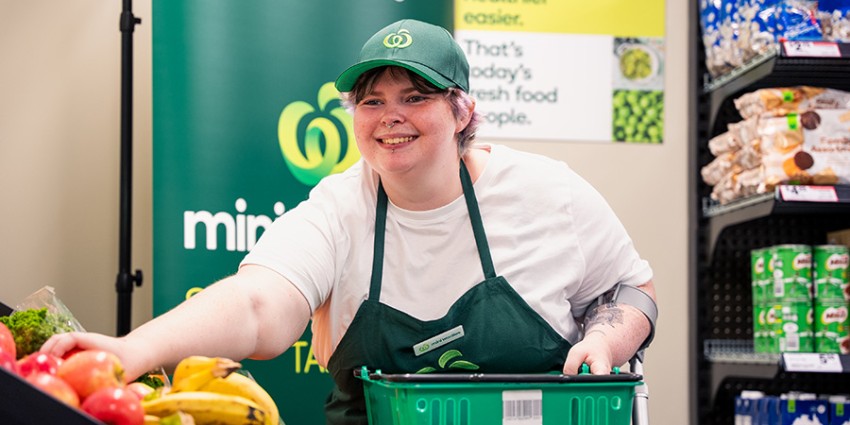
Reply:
x=477, y=224
x=378, y=251
x=474, y=217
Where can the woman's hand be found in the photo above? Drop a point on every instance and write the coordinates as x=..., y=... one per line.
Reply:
x=133, y=360
x=592, y=350
x=255, y=313
x=612, y=335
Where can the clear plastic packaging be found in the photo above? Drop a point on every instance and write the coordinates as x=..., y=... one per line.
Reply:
x=46, y=298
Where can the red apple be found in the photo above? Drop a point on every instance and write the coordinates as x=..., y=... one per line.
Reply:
x=71, y=352
x=140, y=389
x=7, y=341
x=90, y=370
x=39, y=362
x=54, y=386
x=7, y=361
x=115, y=406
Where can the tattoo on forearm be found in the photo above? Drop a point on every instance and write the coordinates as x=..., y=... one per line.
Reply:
x=608, y=314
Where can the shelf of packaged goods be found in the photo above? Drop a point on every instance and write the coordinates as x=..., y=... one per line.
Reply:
x=781, y=201
x=738, y=351
x=815, y=362
x=778, y=68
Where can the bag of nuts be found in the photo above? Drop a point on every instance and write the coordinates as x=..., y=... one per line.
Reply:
x=780, y=101
x=812, y=148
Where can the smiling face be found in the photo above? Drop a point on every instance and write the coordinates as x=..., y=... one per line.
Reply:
x=406, y=134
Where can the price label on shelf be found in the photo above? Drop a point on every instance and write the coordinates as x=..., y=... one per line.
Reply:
x=811, y=362
x=808, y=193
x=811, y=49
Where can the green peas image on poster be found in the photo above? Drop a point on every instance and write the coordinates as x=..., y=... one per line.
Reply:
x=638, y=116
x=637, y=99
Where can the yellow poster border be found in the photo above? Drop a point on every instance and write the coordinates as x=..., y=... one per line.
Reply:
x=620, y=18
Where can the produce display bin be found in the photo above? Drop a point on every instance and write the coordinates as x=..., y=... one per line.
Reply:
x=23, y=404
x=497, y=399
x=5, y=310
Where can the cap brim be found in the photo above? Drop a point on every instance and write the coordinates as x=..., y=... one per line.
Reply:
x=345, y=82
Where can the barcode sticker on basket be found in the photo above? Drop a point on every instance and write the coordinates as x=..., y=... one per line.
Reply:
x=522, y=407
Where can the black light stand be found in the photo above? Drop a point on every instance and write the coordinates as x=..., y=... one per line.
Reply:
x=126, y=280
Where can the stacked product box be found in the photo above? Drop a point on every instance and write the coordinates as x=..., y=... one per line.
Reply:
x=800, y=299
x=832, y=324
x=756, y=408
x=782, y=299
x=839, y=410
x=792, y=298
x=762, y=288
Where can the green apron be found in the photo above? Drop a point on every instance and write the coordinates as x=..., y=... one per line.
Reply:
x=500, y=331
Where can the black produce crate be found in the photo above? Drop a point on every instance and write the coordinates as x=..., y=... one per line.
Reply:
x=23, y=404
x=5, y=310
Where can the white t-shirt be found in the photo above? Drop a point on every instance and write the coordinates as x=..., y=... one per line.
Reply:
x=551, y=235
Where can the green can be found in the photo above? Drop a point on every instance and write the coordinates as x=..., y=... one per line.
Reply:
x=771, y=328
x=796, y=330
x=759, y=259
x=830, y=272
x=832, y=327
x=761, y=331
x=792, y=273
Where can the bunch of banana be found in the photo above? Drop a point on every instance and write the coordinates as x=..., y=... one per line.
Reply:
x=179, y=418
x=207, y=408
x=207, y=389
x=195, y=371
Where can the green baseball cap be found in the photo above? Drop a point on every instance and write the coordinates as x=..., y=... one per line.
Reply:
x=423, y=48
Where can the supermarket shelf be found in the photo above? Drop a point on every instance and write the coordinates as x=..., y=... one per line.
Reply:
x=740, y=351
x=761, y=66
x=816, y=362
x=763, y=205
x=776, y=68
x=736, y=351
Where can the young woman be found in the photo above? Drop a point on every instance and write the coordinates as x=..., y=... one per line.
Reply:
x=429, y=243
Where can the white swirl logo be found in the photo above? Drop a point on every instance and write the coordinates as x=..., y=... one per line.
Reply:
x=398, y=40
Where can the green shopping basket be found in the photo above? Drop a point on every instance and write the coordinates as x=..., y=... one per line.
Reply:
x=498, y=399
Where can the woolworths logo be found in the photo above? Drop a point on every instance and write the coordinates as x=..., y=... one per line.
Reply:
x=317, y=140
x=398, y=40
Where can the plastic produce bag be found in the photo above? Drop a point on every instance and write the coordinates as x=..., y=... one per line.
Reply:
x=46, y=298
x=38, y=317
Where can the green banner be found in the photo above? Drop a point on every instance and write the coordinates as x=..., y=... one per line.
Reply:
x=246, y=121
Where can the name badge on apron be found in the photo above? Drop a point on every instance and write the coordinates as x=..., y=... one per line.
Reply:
x=438, y=341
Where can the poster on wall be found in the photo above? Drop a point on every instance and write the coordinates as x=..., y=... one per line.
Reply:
x=566, y=70
x=246, y=121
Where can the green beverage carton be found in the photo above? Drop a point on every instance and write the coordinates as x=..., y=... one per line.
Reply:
x=758, y=272
x=792, y=273
x=832, y=327
x=796, y=332
x=830, y=272
x=772, y=328
x=764, y=335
